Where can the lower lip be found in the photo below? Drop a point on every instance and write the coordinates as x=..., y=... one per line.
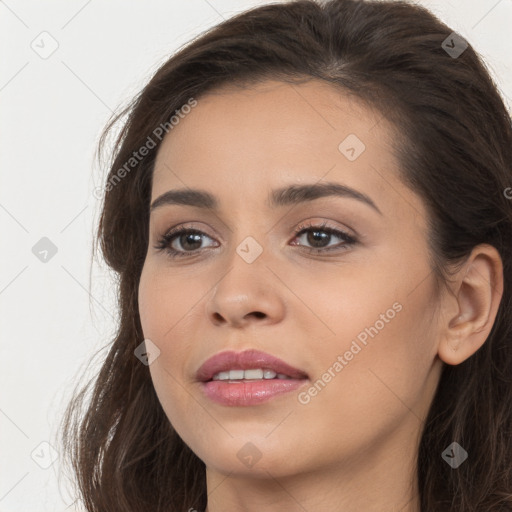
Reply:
x=248, y=392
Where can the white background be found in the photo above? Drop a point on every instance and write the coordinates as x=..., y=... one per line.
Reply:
x=53, y=316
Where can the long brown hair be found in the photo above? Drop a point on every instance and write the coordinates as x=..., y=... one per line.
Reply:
x=454, y=144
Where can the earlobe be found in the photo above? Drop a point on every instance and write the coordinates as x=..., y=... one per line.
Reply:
x=478, y=293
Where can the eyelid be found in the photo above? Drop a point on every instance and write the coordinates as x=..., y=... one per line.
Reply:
x=192, y=226
x=317, y=222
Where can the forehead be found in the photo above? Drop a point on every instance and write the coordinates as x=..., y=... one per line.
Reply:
x=250, y=140
x=274, y=117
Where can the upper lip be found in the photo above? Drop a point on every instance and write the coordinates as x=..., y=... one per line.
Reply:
x=249, y=359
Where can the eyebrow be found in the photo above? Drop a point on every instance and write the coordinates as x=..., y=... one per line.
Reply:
x=291, y=195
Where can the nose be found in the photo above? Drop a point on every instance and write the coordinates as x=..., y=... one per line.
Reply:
x=247, y=293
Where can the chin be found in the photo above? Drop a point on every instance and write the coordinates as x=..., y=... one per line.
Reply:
x=252, y=455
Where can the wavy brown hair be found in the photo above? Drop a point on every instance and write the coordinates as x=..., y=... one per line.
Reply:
x=454, y=145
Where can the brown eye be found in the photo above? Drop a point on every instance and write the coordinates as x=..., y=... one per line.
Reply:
x=318, y=237
x=181, y=242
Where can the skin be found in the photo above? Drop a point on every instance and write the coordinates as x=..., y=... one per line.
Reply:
x=352, y=447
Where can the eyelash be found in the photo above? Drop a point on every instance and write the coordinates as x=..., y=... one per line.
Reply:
x=164, y=242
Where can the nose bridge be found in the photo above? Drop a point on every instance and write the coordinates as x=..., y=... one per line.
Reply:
x=249, y=235
x=244, y=290
x=246, y=265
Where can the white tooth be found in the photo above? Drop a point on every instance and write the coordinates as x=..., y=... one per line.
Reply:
x=236, y=374
x=253, y=374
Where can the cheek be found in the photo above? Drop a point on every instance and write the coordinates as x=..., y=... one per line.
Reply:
x=151, y=293
x=158, y=312
x=380, y=388
x=166, y=309
x=163, y=319
x=387, y=348
x=164, y=303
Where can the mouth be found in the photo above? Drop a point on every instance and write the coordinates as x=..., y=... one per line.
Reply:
x=247, y=365
x=247, y=378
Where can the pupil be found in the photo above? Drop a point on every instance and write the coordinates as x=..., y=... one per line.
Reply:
x=313, y=238
x=189, y=236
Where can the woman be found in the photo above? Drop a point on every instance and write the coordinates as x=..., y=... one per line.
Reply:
x=309, y=211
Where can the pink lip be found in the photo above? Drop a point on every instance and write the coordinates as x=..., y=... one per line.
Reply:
x=247, y=392
x=249, y=359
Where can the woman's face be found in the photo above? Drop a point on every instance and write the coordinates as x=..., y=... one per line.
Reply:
x=356, y=318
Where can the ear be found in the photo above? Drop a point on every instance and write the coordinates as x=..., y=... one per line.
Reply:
x=470, y=316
